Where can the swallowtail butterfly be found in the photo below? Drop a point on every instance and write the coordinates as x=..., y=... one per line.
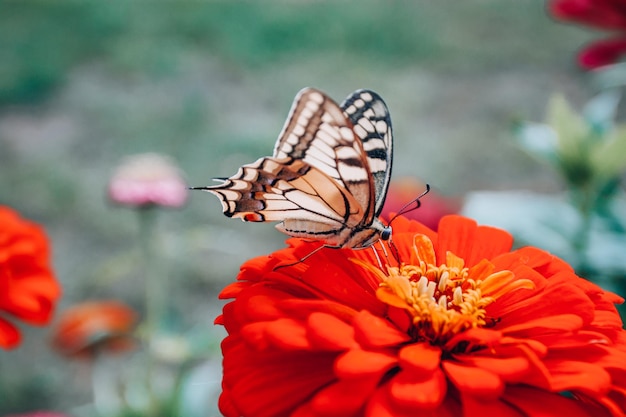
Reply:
x=328, y=176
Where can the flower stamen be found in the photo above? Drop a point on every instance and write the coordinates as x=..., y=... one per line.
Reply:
x=443, y=300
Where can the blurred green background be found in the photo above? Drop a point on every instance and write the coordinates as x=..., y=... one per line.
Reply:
x=84, y=83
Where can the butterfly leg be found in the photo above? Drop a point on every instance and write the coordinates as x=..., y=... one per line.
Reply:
x=307, y=256
x=380, y=264
x=394, y=250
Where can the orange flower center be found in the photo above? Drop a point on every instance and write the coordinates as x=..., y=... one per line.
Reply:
x=443, y=300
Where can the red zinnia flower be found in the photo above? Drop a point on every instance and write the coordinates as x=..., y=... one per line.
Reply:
x=463, y=326
x=28, y=288
x=91, y=327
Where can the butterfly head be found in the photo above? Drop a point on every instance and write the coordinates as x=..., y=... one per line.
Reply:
x=367, y=236
x=385, y=234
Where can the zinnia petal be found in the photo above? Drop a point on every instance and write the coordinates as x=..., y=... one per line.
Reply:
x=411, y=393
x=478, y=382
x=372, y=331
x=330, y=333
x=343, y=398
x=534, y=402
x=466, y=239
x=356, y=363
x=292, y=377
x=476, y=406
x=9, y=336
x=28, y=289
x=287, y=334
x=420, y=358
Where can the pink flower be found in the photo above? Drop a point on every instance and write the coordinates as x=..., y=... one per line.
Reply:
x=146, y=180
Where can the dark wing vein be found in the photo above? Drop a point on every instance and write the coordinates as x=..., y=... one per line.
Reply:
x=277, y=190
x=318, y=132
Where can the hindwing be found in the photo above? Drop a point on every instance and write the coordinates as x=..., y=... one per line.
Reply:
x=372, y=124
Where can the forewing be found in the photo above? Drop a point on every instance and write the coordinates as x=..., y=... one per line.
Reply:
x=372, y=124
x=277, y=190
x=318, y=132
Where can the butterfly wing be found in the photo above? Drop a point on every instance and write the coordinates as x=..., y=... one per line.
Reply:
x=328, y=175
x=307, y=202
x=318, y=132
x=372, y=124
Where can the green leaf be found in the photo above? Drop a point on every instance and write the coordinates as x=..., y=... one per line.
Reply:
x=609, y=158
x=570, y=127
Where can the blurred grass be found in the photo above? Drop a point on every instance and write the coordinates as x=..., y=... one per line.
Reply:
x=83, y=83
x=40, y=41
x=160, y=75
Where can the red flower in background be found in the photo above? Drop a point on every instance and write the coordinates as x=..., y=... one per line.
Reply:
x=603, y=52
x=463, y=326
x=433, y=206
x=88, y=328
x=28, y=288
x=602, y=14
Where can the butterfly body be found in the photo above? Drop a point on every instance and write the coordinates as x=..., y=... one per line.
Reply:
x=328, y=175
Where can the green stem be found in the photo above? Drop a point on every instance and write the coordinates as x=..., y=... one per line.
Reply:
x=584, y=199
x=152, y=277
x=156, y=290
x=105, y=399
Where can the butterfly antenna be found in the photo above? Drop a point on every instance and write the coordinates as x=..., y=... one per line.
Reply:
x=408, y=207
x=411, y=205
x=218, y=179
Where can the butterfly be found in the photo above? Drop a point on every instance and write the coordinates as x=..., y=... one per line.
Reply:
x=328, y=176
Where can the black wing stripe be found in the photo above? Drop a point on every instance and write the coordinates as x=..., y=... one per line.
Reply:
x=372, y=124
x=273, y=190
x=319, y=133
